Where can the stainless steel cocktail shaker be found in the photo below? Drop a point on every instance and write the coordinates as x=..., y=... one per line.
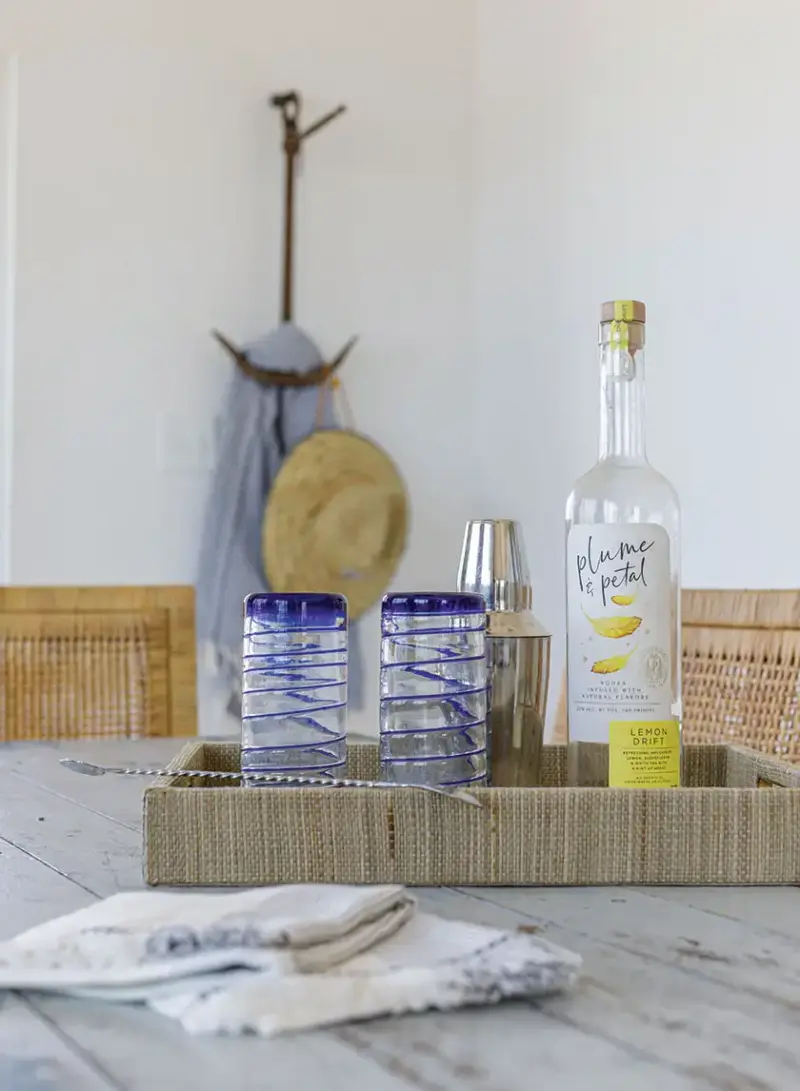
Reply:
x=493, y=564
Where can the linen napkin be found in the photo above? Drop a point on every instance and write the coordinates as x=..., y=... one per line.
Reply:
x=276, y=959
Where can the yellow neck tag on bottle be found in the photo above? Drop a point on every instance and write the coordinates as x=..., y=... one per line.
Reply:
x=644, y=754
x=623, y=310
x=620, y=335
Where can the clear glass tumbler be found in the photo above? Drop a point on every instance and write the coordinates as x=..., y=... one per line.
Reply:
x=433, y=688
x=294, y=685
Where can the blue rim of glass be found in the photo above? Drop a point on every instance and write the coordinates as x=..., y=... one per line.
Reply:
x=421, y=603
x=297, y=610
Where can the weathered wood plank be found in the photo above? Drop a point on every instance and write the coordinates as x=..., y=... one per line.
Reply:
x=33, y=1055
x=105, y=798
x=31, y=893
x=761, y=963
x=103, y=857
x=773, y=909
x=685, y=1019
x=34, y=1058
x=116, y=797
x=171, y=1059
x=508, y=1049
x=500, y=1048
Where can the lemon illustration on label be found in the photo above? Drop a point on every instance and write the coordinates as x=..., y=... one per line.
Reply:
x=614, y=627
x=622, y=600
x=612, y=665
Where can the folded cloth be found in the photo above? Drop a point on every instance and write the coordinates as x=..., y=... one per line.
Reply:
x=282, y=958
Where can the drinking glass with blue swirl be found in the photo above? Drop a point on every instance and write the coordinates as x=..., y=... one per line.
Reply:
x=433, y=688
x=294, y=684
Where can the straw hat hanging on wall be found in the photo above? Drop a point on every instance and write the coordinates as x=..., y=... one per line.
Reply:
x=336, y=519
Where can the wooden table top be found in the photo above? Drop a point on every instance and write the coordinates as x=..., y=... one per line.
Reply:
x=684, y=989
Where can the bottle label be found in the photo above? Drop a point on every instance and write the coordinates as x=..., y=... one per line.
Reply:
x=644, y=754
x=619, y=634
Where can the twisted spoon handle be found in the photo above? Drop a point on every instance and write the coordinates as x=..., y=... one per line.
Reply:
x=92, y=770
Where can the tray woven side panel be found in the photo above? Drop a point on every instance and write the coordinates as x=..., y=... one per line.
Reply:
x=537, y=836
x=749, y=769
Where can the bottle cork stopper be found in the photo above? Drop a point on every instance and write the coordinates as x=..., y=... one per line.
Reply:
x=623, y=310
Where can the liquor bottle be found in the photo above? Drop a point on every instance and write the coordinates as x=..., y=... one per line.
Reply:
x=623, y=581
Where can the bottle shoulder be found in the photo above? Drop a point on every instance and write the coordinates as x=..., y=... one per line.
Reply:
x=615, y=491
x=624, y=474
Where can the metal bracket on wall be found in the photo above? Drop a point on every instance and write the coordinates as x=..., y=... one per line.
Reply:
x=294, y=136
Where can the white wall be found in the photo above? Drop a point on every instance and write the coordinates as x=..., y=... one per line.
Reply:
x=149, y=180
x=643, y=150
x=8, y=152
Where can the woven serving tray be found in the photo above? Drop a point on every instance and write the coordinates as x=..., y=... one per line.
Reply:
x=723, y=828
